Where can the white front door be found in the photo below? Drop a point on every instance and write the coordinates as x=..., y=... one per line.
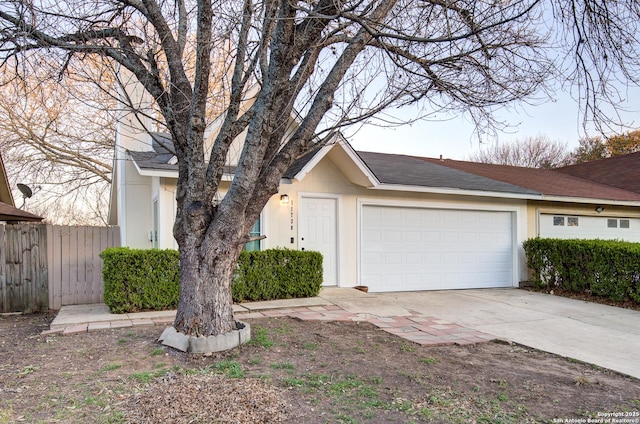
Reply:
x=319, y=232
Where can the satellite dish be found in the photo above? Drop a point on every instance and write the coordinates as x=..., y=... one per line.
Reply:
x=25, y=190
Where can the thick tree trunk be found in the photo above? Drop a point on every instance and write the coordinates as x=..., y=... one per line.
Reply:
x=206, y=272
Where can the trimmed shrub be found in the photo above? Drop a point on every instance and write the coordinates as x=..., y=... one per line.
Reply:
x=600, y=267
x=137, y=279
x=277, y=274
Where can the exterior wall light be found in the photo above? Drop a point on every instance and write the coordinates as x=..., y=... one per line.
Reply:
x=284, y=199
x=599, y=209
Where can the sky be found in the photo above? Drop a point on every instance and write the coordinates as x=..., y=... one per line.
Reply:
x=453, y=137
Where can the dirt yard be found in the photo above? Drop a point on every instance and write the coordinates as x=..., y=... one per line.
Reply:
x=295, y=372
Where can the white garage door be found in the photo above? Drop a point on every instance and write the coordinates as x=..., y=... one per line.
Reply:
x=406, y=249
x=589, y=227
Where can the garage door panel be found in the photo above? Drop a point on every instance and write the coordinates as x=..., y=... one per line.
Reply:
x=372, y=258
x=469, y=258
x=433, y=236
x=436, y=249
x=391, y=236
x=393, y=259
x=412, y=236
x=468, y=238
x=450, y=259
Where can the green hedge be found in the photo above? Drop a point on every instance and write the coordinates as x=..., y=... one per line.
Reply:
x=277, y=274
x=600, y=267
x=136, y=279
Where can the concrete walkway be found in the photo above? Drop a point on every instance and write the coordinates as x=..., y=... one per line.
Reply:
x=602, y=335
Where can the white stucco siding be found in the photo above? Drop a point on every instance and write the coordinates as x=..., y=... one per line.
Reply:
x=134, y=192
x=166, y=197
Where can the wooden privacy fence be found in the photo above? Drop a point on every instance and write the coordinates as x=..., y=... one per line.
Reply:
x=75, y=267
x=47, y=266
x=23, y=268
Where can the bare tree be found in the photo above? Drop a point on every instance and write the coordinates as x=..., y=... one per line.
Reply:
x=58, y=136
x=532, y=152
x=336, y=61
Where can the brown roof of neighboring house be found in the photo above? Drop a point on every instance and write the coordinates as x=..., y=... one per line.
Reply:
x=545, y=181
x=5, y=192
x=12, y=214
x=618, y=171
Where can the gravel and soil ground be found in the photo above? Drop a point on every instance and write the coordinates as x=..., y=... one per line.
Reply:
x=295, y=372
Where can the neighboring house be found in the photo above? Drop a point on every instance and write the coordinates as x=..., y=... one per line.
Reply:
x=567, y=206
x=390, y=222
x=8, y=211
x=618, y=171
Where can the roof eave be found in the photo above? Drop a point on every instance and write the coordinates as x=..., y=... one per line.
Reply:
x=590, y=200
x=154, y=172
x=169, y=173
x=457, y=191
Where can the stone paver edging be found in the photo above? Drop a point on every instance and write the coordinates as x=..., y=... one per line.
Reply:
x=227, y=341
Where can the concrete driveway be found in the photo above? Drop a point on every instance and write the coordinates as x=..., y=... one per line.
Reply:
x=598, y=334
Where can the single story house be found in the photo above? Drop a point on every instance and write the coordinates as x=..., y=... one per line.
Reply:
x=387, y=221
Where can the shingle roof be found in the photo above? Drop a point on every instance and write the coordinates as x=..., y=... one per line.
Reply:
x=545, y=181
x=300, y=163
x=413, y=171
x=618, y=171
x=163, y=151
x=12, y=214
x=609, y=179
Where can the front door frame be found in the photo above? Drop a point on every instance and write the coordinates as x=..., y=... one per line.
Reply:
x=338, y=207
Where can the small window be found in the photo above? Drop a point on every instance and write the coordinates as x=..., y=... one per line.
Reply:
x=624, y=223
x=558, y=221
x=612, y=223
x=255, y=232
x=572, y=221
x=154, y=224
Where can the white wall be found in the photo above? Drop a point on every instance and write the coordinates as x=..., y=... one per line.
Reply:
x=134, y=206
x=133, y=191
x=166, y=195
x=132, y=128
